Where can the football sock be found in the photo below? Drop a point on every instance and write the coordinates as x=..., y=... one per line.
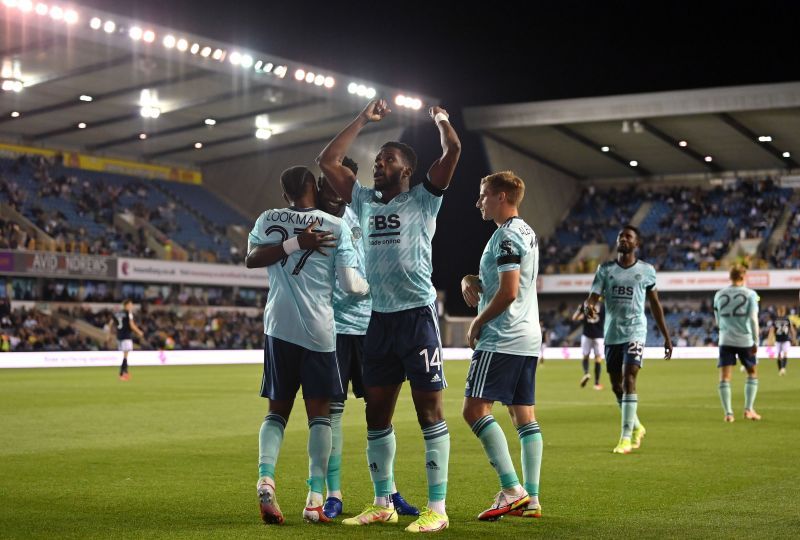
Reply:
x=530, y=438
x=629, y=405
x=437, y=458
x=270, y=438
x=725, y=397
x=334, y=479
x=319, y=451
x=750, y=391
x=381, y=447
x=494, y=444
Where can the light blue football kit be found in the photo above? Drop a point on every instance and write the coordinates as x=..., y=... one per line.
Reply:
x=397, y=245
x=503, y=366
x=299, y=308
x=513, y=246
x=625, y=293
x=402, y=340
x=734, y=308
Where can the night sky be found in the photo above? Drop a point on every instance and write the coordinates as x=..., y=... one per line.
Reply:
x=506, y=54
x=509, y=53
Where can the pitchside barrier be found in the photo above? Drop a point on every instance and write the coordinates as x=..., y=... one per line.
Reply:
x=256, y=356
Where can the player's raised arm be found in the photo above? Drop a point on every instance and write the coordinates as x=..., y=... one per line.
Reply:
x=578, y=315
x=330, y=159
x=441, y=172
x=658, y=315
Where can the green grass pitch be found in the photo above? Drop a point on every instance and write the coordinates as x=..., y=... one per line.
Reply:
x=173, y=452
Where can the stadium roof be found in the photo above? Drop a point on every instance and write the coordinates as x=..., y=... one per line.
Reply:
x=82, y=73
x=706, y=131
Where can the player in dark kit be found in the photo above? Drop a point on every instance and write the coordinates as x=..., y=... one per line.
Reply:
x=783, y=331
x=123, y=321
x=591, y=343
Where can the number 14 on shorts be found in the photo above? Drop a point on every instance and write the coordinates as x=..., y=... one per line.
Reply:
x=434, y=362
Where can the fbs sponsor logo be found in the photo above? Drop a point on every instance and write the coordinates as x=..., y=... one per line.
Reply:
x=379, y=223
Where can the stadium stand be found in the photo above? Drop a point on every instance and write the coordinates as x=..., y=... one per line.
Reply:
x=77, y=209
x=787, y=249
x=683, y=229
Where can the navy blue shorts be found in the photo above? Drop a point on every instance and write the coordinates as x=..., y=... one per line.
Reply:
x=404, y=345
x=507, y=378
x=728, y=355
x=624, y=354
x=287, y=367
x=349, y=353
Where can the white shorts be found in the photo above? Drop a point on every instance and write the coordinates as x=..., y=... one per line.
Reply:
x=589, y=345
x=783, y=347
x=125, y=345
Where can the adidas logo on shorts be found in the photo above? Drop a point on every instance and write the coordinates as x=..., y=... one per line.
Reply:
x=436, y=378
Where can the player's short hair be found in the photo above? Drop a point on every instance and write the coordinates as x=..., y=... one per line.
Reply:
x=127, y=301
x=294, y=180
x=635, y=231
x=507, y=182
x=408, y=153
x=738, y=272
x=350, y=164
x=347, y=162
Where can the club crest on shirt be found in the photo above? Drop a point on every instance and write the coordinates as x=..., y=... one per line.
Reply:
x=403, y=197
x=638, y=277
x=505, y=247
x=355, y=232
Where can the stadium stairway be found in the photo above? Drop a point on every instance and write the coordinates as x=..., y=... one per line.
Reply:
x=208, y=209
x=740, y=248
x=43, y=240
x=641, y=213
x=83, y=328
x=156, y=240
x=782, y=223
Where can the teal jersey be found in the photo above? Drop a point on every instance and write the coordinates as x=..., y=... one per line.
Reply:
x=625, y=292
x=300, y=304
x=513, y=246
x=397, y=245
x=735, y=308
x=352, y=312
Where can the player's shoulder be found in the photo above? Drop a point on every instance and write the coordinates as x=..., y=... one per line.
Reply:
x=646, y=266
x=424, y=191
x=608, y=265
x=273, y=214
x=518, y=225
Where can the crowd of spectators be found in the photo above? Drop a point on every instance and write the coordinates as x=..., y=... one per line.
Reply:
x=685, y=228
x=78, y=213
x=31, y=330
x=187, y=329
x=787, y=250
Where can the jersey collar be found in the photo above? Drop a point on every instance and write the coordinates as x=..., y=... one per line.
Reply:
x=626, y=267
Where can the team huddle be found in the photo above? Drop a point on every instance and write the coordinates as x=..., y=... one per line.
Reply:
x=352, y=305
